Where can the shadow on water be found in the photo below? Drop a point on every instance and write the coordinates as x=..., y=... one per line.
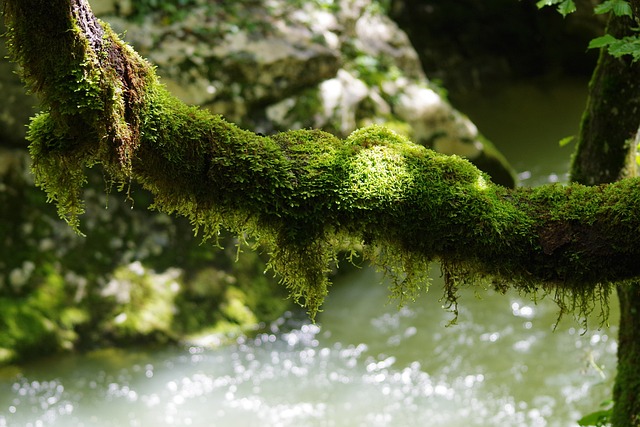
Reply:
x=526, y=120
x=366, y=362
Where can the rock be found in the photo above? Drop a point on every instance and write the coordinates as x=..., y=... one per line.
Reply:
x=277, y=65
x=229, y=69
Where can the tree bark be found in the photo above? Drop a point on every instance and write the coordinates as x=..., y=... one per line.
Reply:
x=606, y=153
x=626, y=391
x=607, y=147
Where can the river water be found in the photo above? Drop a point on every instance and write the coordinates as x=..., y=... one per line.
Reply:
x=366, y=362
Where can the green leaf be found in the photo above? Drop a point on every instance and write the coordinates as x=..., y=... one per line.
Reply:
x=602, y=41
x=598, y=418
x=606, y=403
x=543, y=3
x=566, y=140
x=566, y=7
x=622, y=8
x=629, y=45
x=625, y=46
x=618, y=7
x=603, y=8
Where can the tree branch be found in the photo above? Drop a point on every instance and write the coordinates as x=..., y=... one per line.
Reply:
x=305, y=194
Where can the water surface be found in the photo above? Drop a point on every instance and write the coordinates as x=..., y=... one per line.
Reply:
x=365, y=363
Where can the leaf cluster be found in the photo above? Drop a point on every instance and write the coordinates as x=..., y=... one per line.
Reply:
x=616, y=47
x=599, y=418
x=629, y=45
x=564, y=7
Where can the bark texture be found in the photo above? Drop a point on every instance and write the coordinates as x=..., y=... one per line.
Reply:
x=606, y=153
x=626, y=391
x=607, y=146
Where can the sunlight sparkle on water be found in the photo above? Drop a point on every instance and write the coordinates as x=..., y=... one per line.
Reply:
x=297, y=373
x=277, y=379
x=522, y=310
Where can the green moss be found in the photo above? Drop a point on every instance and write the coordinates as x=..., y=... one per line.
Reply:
x=90, y=115
x=306, y=195
x=62, y=177
x=242, y=296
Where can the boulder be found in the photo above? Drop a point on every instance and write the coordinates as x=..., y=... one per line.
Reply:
x=271, y=66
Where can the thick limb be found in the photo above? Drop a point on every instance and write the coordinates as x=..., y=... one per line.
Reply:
x=305, y=194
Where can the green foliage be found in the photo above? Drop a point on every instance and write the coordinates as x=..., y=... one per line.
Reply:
x=629, y=45
x=144, y=302
x=618, y=7
x=565, y=7
x=600, y=418
x=39, y=323
x=172, y=9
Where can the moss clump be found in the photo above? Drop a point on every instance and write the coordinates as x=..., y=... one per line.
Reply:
x=306, y=195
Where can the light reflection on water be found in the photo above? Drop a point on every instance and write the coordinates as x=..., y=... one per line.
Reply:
x=364, y=364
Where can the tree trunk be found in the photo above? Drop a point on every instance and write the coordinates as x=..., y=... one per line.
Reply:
x=606, y=153
x=626, y=391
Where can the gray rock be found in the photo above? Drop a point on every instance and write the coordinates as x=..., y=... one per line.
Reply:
x=277, y=65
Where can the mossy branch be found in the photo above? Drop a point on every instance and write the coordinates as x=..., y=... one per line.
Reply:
x=305, y=194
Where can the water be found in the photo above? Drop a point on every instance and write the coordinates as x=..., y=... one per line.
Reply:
x=527, y=119
x=366, y=362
